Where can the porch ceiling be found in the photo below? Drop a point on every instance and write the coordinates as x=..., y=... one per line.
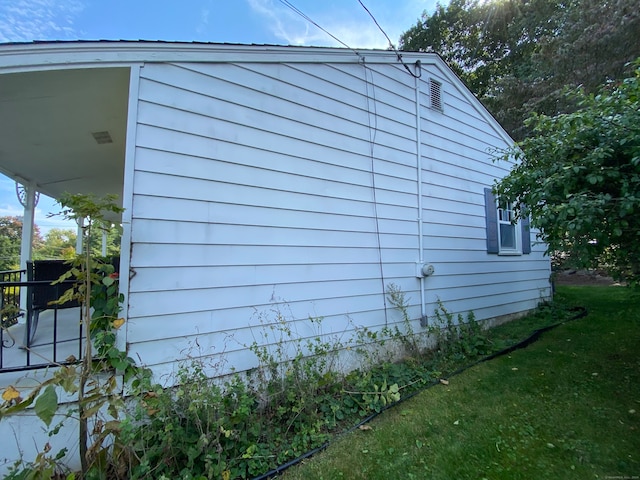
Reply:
x=47, y=122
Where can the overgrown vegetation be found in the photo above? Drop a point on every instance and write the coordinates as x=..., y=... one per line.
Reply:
x=302, y=393
x=565, y=407
x=94, y=380
x=578, y=176
x=297, y=399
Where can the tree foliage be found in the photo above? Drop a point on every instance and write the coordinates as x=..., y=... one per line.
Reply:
x=579, y=176
x=10, y=241
x=57, y=243
x=518, y=55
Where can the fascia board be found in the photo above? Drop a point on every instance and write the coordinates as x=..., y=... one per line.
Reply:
x=43, y=55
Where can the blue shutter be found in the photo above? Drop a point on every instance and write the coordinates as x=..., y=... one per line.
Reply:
x=491, y=216
x=526, y=232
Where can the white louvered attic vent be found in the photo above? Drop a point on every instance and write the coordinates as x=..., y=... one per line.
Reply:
x=435, y=91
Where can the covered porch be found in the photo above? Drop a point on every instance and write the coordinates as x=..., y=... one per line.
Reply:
x=57, y=340
x=62, y=130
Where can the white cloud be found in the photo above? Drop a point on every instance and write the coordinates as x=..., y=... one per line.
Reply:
x=10, y=207
x=10, y=211
x=202, y=27
x=28, y=20
x=292, y=29
x=352, y=25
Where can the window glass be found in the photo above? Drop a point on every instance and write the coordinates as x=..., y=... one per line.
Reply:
x=507, y=237
x=507, y=228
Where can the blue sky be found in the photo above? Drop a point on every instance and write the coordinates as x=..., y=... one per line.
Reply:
x=225, y=21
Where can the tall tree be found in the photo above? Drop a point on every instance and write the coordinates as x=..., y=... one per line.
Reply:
x=518, y=55
x=58, y=244
x=11, y=239
x=114, y=234
x=482, y=41
x=579, y=176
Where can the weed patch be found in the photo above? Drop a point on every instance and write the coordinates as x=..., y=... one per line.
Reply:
x=302, y=394
x=565, y=407
x=297, y=399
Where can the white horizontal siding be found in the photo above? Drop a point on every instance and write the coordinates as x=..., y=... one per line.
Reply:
x=153, y=303
x=191, y=233
x=166, y=255
x=198, y=277
x=189, y=210
x=212, y=191
x=254, y=189
x=458, y=164
x=227, y=322
x=336, y=185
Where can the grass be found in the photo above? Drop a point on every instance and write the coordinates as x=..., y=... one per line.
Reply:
x=567, y=406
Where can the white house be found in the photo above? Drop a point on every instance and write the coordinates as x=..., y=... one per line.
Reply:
x=251, y=175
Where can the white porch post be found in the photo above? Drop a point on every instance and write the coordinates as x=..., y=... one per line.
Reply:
x=28, y=199
x=104, y=243
x=79, y=236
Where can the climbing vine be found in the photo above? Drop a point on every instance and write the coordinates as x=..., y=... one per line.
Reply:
x=93, y=380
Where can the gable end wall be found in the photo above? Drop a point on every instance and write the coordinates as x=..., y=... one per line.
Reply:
x=254, y=191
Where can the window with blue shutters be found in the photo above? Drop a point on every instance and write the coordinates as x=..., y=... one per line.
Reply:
x=505, y=235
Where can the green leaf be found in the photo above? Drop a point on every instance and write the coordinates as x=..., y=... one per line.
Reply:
x=47, y=405
x=93, y=409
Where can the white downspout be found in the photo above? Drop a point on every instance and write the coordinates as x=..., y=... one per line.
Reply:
x=423, y=305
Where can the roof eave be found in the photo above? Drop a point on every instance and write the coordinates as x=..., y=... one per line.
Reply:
x=54, y=54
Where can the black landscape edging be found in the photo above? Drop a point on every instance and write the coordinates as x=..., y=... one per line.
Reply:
x=581, y=312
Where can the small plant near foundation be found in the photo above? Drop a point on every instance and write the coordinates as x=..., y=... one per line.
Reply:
x=298, y=377
x=409, y=339
x=457, y=338
x=373, y=397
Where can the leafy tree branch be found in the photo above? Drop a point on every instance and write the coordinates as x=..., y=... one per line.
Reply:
x=579, y=176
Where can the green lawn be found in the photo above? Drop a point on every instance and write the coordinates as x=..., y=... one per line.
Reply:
x=566, y=407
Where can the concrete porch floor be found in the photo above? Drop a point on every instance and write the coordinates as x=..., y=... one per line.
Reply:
x=49, y=345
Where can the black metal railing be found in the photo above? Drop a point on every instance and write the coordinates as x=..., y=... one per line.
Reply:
x=51, y=334
x=10, y=306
